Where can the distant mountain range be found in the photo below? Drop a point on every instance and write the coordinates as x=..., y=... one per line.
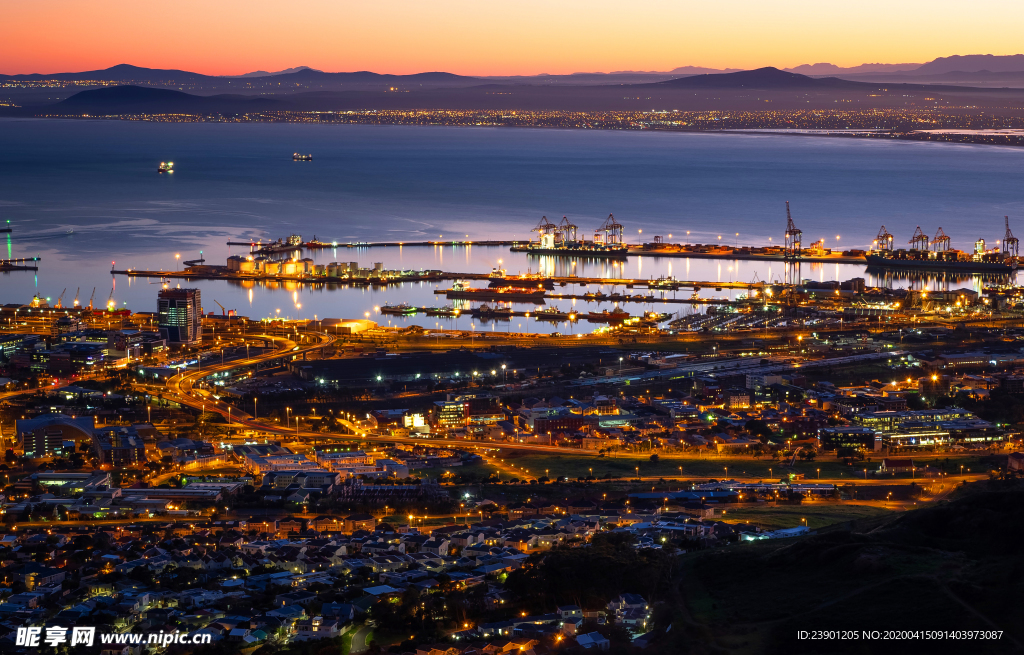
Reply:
x=296, y=69
x=743, y=90
x=986, y=67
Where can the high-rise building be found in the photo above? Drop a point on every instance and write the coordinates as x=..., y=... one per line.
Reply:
x=180, y=314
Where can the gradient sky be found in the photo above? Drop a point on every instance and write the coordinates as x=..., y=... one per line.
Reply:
x=224, y=37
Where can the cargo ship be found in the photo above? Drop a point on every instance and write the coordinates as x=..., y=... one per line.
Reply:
x=301, y=157
x=944, y=260
x=561, y=239
x=165, y=167
x=936, y=254
x=500, y=294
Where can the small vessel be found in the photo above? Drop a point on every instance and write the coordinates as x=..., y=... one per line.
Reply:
x=447, y=310
x=554, y=314
x=496, y=312
x=165, y=167
x=607, y=317
x=300, y=157
x=399, y=310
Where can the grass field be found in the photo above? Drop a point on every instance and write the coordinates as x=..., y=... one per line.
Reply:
x=818, y=515
x=516, y=463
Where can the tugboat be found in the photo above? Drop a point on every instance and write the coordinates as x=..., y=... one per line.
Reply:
x=447, y=310
x=495, y=312
x=608, y=317
x=554, y=314
x=399, y=310
x=165, y=167
x=300, y=157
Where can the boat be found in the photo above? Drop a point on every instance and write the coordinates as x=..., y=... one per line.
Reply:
x=501, y=294
x=447, y=310
x=399, y=310
x=301, y=157
x=553, y=314
x=607, y=316
x=990, y=262
x=497, y=312
x=165, y=167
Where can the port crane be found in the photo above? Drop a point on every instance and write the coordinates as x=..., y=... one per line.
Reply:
x=794, y=236
x=76, y=296
x=941, y=242
x=91, y=297
x=110, y=298
x=1010, y=242
x=884, y=240
x=223, y=312
x=544, y=227
x=567, y=230
x=611, y=229
x=920, y=240
x=60, y=299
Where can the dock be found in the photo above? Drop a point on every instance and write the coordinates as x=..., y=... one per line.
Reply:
x=656, y=284
x=271, y=247
x=20, y=264
x=770, y=254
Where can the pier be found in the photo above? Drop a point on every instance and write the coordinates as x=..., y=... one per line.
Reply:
x=20, y=264
x=657, y=284
x=272, y=247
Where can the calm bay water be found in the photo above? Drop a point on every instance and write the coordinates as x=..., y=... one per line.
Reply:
x=369, y=183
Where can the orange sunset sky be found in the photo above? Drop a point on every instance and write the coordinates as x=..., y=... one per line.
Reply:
x=224, y=37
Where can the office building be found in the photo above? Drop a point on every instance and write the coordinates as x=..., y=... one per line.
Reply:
x=180, y=314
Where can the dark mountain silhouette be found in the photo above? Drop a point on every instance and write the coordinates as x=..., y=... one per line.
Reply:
x=118, y=72
x=761, y=78
x=141, y=100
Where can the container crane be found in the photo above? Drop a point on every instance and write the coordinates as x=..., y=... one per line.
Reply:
x=884, y=240
x=794, y=236
x=568, y=230
x=920, y=240
x=611, y=230
x=1010, y=242
x=941, y=242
